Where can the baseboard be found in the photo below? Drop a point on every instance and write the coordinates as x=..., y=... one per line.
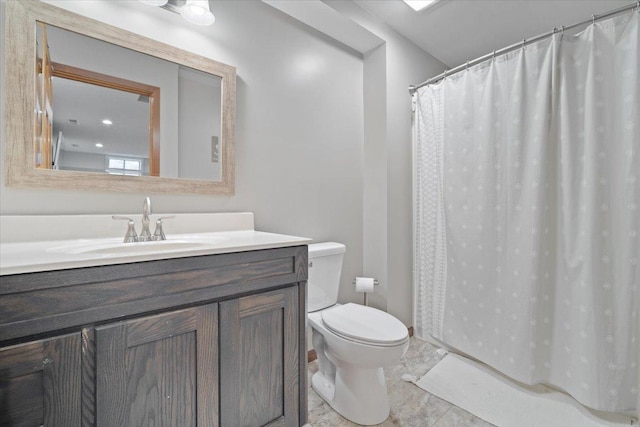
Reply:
x=312, y=355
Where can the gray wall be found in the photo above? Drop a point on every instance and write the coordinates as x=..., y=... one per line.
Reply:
x=301, y=150
x=199, y=119
x=388, y=247
x=299, y=132
x=74, y=160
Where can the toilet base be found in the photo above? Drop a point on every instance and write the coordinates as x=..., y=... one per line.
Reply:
x=359, y=395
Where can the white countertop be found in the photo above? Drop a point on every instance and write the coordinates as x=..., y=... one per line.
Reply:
x=58, y=254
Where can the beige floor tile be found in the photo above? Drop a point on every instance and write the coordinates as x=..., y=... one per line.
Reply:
x=456, y=417
x=413, y=407
x=324, y=416
x=419, y=354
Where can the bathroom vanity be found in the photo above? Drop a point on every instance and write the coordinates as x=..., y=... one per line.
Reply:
x=211, y=336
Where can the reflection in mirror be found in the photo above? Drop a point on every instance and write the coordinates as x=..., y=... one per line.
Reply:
x=93, y=124
x=199, y=154
x=104, y=108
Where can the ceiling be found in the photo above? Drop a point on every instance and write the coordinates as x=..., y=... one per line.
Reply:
x=455, y=31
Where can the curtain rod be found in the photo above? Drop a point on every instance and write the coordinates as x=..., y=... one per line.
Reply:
x=525, y=42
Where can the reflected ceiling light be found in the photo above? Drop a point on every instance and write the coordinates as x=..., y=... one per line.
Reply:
x=197, y=12
x=418, y=5
x=99, y=145
x=155, y=2
x=107, y=122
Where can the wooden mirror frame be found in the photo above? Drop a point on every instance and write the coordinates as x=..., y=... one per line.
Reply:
x=20, y=104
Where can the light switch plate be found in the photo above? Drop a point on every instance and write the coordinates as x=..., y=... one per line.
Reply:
x=214, y=149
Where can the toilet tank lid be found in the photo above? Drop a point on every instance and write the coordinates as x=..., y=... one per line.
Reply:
x=325, y=249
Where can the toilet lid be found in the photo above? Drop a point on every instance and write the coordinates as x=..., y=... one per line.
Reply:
x=365, y=324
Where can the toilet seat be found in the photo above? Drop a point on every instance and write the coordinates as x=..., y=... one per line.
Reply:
x=365, y=325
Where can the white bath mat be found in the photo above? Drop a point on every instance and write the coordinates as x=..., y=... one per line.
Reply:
x=479, y=390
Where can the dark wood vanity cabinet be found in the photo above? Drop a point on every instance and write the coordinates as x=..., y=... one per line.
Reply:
x=216, y=340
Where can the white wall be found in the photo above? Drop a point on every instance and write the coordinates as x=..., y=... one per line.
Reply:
x=303, y=165
x=388, y=163
x=79, y=161
x=299, y=125
x=374, y=197
x=199, y=118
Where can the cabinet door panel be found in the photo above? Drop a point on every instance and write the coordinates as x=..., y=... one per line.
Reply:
x=161, y=382
x=259, y=359
x=40, y=383
x=160, y=370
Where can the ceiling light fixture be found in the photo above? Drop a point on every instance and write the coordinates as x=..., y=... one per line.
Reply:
x=155, y=2
x=198, y=12
x=419, y=5
x=99, y=145
x=107, y=122
x=194, y=11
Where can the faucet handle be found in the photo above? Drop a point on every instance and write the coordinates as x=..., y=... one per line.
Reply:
x=159, y=233
x=131, y=235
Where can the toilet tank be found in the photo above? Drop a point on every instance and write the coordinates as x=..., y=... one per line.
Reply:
x=325, y=266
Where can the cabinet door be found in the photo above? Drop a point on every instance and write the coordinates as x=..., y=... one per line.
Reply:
x=259, y=359
x=160, y=370
x=40, y=383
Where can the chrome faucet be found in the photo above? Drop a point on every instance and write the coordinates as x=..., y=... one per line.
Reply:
x=145, y=234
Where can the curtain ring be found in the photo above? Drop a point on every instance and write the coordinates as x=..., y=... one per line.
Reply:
x=445, y=74
x=467, y=67
x=593, y=19
x=562, y=28
x=524, y=42
x=493, y=56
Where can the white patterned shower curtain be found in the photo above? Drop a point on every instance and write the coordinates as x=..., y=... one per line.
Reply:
x=527, y=221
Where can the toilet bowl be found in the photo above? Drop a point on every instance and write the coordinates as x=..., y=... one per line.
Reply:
x=353, y=343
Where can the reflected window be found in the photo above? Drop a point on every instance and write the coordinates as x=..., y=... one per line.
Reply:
x=124, y=166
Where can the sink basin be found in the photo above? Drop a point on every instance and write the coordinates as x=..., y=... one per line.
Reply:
x=142, y=247
x=117, y=247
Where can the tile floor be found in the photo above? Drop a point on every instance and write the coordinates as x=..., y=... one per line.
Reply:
x=410, y=405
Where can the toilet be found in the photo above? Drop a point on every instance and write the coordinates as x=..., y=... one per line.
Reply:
x=353, y=342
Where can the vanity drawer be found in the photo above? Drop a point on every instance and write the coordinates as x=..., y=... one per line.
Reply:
x=36, y=303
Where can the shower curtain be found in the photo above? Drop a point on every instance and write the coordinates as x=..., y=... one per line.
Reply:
x=527, y=222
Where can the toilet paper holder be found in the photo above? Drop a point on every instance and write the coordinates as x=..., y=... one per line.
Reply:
x=375, y=283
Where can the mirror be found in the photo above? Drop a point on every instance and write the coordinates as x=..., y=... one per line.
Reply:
x=112, y=110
